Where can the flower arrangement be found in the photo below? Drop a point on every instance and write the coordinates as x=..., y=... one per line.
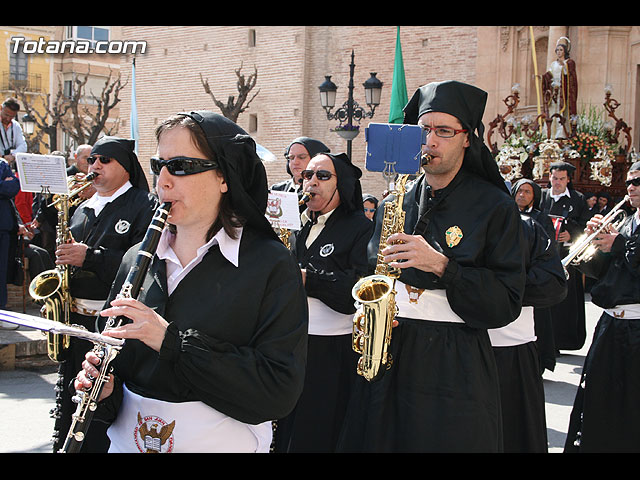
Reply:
x=519, y=145
x=587, y=145
x=591, y=135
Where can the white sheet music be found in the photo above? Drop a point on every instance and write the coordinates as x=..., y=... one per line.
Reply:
x=282, y=210
x=42, y=173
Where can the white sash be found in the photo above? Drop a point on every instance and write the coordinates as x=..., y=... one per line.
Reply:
x=518, y=332
x=631, y=311
x=425, y=304
x=150, y=425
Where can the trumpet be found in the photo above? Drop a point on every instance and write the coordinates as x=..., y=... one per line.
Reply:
x=584, y=250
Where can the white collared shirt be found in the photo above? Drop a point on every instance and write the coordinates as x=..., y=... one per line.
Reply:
x=229, y=248
x=317, y=227
x=98, y=202
x=557, y=197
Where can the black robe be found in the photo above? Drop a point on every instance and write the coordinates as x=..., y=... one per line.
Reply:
x=334, y=262
x=522, y=392
x=605, y=415
x=441, y=393
x=569, y=327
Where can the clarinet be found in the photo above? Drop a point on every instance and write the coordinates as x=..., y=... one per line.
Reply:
x=87, y=400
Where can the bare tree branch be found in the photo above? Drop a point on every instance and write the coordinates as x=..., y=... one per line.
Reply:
x=232, y=109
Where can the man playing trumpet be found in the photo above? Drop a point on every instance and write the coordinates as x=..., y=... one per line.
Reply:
x=604, y=415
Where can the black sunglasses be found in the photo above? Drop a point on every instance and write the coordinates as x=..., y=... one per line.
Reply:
x=182, y=165
x=634, y=181
x=94, y=158
x=321, y=174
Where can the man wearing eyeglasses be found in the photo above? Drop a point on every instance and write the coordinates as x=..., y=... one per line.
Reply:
x=462, y=263
x=298, y=154
x=103, y=228
x=331, y=250
x=605, y=416
x=569, y=208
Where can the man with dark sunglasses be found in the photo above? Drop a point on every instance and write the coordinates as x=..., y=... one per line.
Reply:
x=462, y=263
x=605, y=416
x=103, y=228
x=331, y=251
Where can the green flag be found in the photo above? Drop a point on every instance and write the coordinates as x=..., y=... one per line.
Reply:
x=399, y=96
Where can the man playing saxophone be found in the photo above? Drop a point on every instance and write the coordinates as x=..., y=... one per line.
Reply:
x=604, y=417
x=102, y=229
x=331, y=251
x=461, y=258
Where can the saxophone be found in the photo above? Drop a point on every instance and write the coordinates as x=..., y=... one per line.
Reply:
x=88, y=400
x=375, y=295
x=51, y=287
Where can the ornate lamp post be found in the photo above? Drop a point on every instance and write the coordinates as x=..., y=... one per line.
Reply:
x=28, y=124
x=350, y=110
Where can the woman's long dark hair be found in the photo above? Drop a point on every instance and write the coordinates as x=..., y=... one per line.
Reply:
x=227, y=218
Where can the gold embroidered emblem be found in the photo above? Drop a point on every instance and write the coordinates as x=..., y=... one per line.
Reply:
x=453, y=236
x=153, y=439
x=414, y=293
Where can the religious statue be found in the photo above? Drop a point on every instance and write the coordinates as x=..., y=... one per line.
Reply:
x=560, y=90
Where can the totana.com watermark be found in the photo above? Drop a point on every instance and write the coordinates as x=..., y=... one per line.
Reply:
x=52, y=47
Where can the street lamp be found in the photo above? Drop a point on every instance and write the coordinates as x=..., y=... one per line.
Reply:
x=350, y=110
x=28, y=124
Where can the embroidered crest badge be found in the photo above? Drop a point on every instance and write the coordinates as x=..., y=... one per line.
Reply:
x=453, y=236
x=326, y=250
x=122, y=226
x=154, y=435
x=414, y=293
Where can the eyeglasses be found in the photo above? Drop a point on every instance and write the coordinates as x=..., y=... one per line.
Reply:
x=633, y=181
x=94, y=158
x=442, y=132
x=182, y=165
x=370, y=210
x=320, y=174
x=302, y=156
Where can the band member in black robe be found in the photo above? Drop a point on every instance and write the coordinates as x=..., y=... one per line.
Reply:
x=527, y=194
x=522, y=392
x=605, y=415
x=217, y=339
x=462, y=260
x=298, y=154
x=569, y=208
x=103, y=229
x=331, y=249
